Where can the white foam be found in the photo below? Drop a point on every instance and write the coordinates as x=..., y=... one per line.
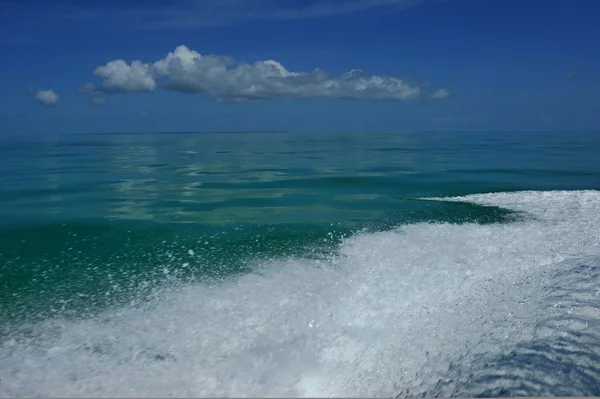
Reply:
x=555, y=206
x=380, y=318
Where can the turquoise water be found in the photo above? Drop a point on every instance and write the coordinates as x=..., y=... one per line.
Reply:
x=280, y=264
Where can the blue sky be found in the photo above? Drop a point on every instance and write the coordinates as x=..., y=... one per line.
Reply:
x=318, y=65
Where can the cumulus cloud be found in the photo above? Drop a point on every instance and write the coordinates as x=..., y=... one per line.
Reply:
x=134, y=77
x=188, y=71
x=440, y=94
x=45, y=97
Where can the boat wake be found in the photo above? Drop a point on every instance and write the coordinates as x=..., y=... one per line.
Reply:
x=428, y=309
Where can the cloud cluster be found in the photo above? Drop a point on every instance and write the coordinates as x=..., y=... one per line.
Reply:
x=188, y=71
x=47, y=97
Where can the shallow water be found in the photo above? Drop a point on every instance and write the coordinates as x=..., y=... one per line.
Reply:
x=430, y=264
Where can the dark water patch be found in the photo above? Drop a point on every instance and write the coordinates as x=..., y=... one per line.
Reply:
x=416, y=211
x=33, y=194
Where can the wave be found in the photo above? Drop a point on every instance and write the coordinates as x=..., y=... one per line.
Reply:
x=431, y=309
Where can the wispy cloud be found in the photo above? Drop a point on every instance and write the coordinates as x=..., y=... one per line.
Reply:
x=98, y=101
x=47, y=98
x=223, y=12
x=451, y=120
x=440, y=94
x=572, y=75
x=185, y=14
x=89, y=88
x=188, y=71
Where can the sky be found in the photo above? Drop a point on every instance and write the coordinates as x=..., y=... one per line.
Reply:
x=83, y=66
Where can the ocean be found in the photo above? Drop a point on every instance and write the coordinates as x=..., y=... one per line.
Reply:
x=437, y=264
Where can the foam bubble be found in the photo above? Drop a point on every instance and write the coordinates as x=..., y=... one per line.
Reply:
x=385, y=316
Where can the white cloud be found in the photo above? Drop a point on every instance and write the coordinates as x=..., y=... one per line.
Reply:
x=440, y=94
x=134, y=77
x=47, y=97
x=188, y=71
